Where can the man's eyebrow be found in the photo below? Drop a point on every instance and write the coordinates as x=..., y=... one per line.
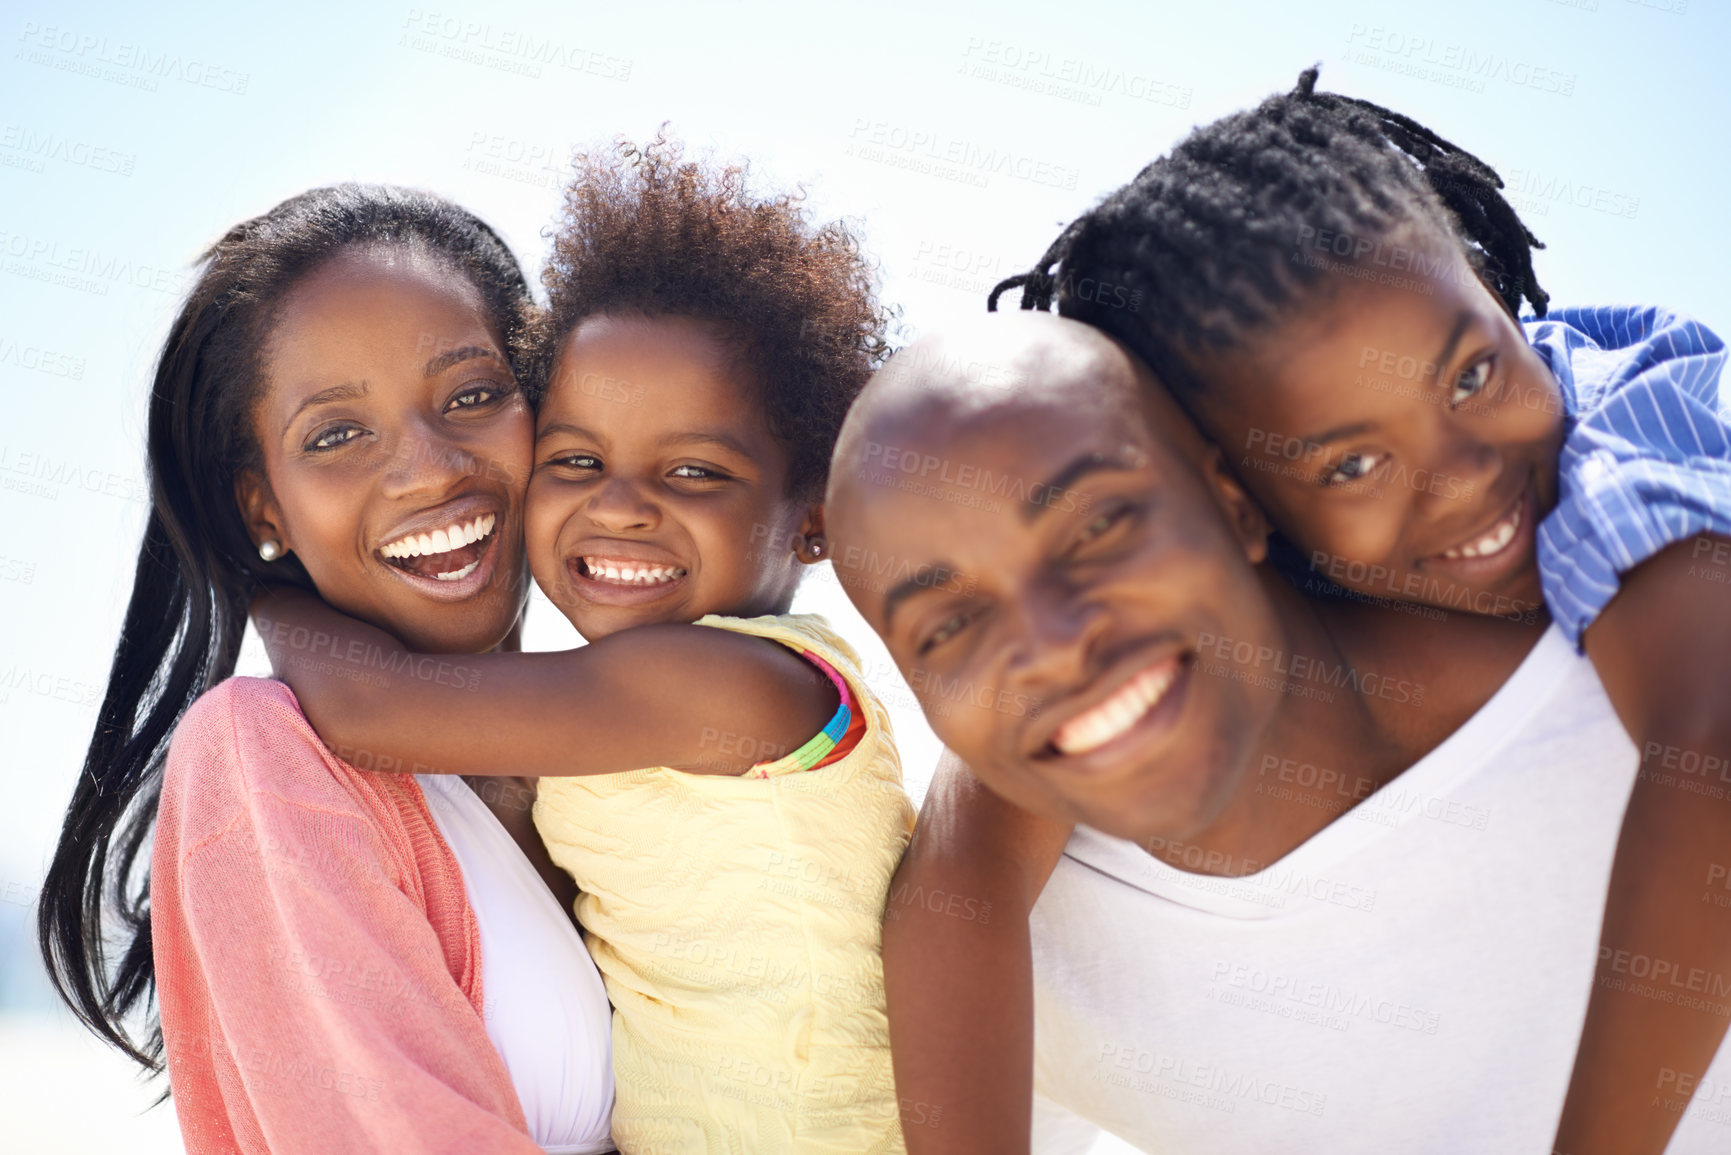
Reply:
x=917, y=582
x=347, y=391
x=456, y=357
x=1039, y=498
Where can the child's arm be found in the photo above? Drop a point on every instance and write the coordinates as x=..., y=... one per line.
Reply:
x=1663, y=651
x=958, y=967
x=704, y=700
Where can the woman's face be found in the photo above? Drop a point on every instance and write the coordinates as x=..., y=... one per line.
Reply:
x=396, y=450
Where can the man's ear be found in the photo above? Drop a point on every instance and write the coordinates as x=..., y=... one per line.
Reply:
x=259, y=510
x=812, y=546
x=1249, y=524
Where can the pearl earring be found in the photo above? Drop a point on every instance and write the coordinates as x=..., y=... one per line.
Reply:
x=269, y=550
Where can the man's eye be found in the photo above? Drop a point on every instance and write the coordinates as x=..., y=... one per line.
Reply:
x=1352, y=467
x=947, y=629
x=331, y=438
x=1471, y=380
x=1102, y=524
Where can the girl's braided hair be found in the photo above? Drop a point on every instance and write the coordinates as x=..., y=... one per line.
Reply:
x=1222, y=239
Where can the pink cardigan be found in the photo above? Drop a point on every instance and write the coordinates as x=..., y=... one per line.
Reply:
x=317, y=964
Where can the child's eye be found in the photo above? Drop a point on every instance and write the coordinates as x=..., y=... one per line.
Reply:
x=475, y=396
x=576, y=461
x=333, y=437
x=697, y=473
x=1352, y=467
x=1471, y=380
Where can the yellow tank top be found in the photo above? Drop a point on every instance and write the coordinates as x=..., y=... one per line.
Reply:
x=737, y=922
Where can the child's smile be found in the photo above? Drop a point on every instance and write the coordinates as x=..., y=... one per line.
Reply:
x=1407, y=440
x=659, y=492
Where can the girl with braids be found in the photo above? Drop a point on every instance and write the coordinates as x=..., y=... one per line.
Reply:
x=1332, y=291
x=712, y=770
x=344, y=961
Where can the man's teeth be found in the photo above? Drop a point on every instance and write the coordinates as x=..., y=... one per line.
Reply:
x=1119, y=712
x=441, y=540
x=1493, y=542
x=630, y=573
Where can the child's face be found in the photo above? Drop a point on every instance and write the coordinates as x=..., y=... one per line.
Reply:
x=1405, y=438
x=1045, y=581
x=659, y=493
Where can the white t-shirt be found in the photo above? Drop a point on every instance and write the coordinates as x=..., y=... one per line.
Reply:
x=545, y=1007
x=1413, y=978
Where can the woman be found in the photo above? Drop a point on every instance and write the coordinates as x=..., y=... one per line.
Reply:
x=345, y=961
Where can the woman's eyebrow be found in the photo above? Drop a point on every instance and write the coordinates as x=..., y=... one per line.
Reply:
x=347, y=391
x=456, y=357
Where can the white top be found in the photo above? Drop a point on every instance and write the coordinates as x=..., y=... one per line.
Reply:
x=1413, y=978
x=546, y=1010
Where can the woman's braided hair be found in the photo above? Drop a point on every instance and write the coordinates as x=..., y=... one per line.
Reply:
x=1207, y=246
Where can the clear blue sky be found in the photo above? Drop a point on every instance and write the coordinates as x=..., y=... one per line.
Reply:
x=961, y=136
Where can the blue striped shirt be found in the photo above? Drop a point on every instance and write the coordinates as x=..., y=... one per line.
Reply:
x=1647, y=457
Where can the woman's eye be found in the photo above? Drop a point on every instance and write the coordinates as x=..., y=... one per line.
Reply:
x=1471, y=380
x=1352, y=467
x=331, y=438
x=474, y=396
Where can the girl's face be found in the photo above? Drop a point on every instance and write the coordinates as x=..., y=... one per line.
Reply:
x=396, y=450
x=659, y=493
x=1405, y=438
x=1062, y=638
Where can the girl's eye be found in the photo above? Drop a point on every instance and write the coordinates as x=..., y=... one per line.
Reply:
x=1352, y=467
x=947, y=629
x=696, y=473
x=331, y=438
x=1471, y=380
x=577, y=461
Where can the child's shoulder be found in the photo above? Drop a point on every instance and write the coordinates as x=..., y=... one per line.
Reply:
x=801, y=631
x=1598, y=352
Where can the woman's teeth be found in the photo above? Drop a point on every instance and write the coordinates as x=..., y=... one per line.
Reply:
x=1500, y=535
x=457, y=575
x=630, y=573
x=1118, y=713
x=442, y=541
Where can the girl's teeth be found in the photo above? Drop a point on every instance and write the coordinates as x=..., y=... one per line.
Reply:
x=1491, y=542
x=639, y=575
x=440, y=540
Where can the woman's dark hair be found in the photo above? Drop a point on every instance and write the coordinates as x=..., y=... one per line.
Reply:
x=1219, y=240
x=198, y=568
x=645, y=231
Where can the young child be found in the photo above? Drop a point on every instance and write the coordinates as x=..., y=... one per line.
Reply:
x=726, y=794
x=1332, y=291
